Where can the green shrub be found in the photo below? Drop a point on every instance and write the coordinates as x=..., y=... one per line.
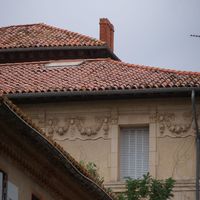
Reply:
x=93, y=171
x=148, y=188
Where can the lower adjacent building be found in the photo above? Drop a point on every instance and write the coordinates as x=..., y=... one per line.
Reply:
x=34, y=167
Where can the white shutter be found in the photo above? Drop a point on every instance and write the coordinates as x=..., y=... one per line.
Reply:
x=134, y=152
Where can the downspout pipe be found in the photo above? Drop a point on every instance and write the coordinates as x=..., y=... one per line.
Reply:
x=197, y=143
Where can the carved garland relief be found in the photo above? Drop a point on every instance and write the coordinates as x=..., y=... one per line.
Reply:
x=77, y=127
x=65, y=127
x=174, y=125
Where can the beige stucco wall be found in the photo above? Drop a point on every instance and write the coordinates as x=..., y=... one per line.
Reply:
x=90, y=132
x=25, y=184
x=88, y=151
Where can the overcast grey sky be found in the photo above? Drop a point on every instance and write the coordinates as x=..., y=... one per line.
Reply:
x=148, y=32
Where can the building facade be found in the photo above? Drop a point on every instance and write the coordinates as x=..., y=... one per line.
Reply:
x=158, y=134
x=128, y=119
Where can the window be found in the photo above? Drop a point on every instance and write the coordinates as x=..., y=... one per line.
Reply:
x=134, y=152
x=12, y=191
x=8, y=191
x=3, y=185
x=71, y=63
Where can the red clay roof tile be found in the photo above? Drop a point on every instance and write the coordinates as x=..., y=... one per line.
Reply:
x=42, y=35
x=90, y=75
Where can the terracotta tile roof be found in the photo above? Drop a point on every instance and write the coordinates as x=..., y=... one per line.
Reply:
x=89, y=75
x=15, y=109
x=42, y=35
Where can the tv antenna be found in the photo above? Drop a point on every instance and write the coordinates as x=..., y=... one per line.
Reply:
x=195, y=35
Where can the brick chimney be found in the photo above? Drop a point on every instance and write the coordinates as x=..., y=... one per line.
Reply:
x=107, y=32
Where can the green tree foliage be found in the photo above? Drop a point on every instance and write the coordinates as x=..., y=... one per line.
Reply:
x=148, y=188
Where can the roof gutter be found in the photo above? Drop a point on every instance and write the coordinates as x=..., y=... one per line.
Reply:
x=132, y=92
x=9, y=50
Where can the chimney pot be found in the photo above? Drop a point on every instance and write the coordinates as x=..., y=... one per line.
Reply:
x=107, y=32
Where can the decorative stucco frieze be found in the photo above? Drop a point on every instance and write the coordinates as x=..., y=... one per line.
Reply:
x=173, y=124
x=62, y=127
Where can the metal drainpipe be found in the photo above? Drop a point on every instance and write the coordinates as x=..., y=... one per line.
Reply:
x=197, y=143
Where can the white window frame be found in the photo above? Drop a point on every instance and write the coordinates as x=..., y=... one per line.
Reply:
x=132, y=119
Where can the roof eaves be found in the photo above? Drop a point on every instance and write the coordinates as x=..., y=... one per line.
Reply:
x=52, y=48
x=26, y=49
x=103, y=92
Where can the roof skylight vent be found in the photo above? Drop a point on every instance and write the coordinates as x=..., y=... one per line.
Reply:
x=64, y=64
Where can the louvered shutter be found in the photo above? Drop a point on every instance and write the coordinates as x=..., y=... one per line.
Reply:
x=134, y=152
